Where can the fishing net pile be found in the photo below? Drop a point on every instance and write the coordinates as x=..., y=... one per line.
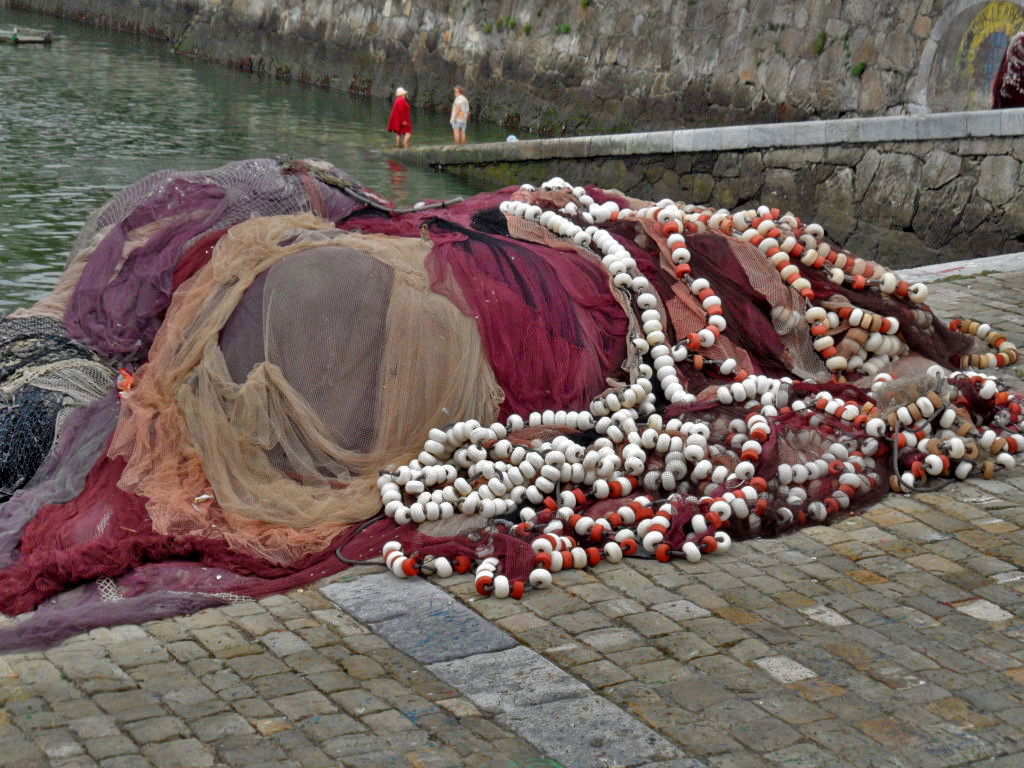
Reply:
x=525, y=381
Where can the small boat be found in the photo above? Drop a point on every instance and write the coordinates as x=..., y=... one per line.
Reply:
x=22, y=35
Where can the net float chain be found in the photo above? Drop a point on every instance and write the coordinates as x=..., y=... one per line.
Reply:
x=473, y=469
x=552, y=554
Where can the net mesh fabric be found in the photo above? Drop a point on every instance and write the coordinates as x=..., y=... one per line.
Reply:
x=551, y=329
x=295, y=360
x=119, y=277
x=281, y=421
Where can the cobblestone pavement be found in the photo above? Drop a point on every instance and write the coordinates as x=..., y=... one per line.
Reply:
x=891, y=639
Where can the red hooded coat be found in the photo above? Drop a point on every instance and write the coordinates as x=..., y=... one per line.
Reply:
x=401, y=117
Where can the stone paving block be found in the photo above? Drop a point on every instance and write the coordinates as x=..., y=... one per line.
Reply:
x=619, y=607
x=331, y=681
x=94, y=726
x=88, y=667
x=299, y=705
x=135, y=653
x=157, y=729
x=257, y=665
x=323, y=728
x=388, y=721
x=554, y=729
x=983, y=610
x=521, y=622
x=784, y=669
x=434, y=757
x=127, y=706
x=74, y=709
x=110, y=746
x=216, y=727
x=610, y=640
x=662, y=671
x=682, y=610
x=258, y=624
x=651, y=624
x=205, y=666
x=194, y=702
x=119, y=634
x=273, y=686
x=345, y=746
x=358, y=702
x=160, y=677
x=340, y=622
x=183, y=753
x=284, y=643
x=766, y=734
x=824, y=615
x=582, y=621
x=302, y=751
x=310, y=662
x=57, y=743
x=362, y=667
x=641, y=655
x=508, y=680
x=684, y=646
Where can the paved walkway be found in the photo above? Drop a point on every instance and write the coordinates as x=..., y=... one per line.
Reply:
x=892, y=639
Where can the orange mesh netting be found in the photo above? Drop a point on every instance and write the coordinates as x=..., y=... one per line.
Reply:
x=268, y=430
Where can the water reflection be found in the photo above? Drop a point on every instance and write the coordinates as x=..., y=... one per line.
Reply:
x=399, y=178
x=97, y=110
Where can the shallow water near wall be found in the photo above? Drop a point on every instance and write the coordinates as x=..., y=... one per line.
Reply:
x=97, y=110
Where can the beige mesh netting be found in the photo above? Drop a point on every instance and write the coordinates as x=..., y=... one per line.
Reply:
x=296, y=364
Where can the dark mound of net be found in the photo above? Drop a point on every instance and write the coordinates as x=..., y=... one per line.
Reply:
x=43, y=375
x=285, y=358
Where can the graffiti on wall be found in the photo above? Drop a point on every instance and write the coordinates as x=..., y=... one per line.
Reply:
x=969, y=54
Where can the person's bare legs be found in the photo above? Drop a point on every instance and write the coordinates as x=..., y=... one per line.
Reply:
x=398, y=141
x=455, y=135
x=407, y=138
x=460, y=135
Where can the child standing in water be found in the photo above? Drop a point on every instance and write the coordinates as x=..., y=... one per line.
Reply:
x=460, y=115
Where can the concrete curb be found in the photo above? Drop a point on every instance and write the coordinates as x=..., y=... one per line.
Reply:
x=1007, y=262
x=865, y=130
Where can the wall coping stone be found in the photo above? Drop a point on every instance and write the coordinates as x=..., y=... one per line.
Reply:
x=1005, y=263
x=861, y=130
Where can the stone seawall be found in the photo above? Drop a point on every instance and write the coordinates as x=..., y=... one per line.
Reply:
x=905, y=190
x=578, y=66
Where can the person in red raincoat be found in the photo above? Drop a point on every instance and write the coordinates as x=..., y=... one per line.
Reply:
x=1008, y=86
x=400, y=123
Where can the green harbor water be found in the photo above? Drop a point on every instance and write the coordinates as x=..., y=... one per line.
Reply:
x=97, y=110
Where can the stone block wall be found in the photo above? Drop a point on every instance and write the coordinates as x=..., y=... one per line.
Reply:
x=907, y=191
x=576, y=66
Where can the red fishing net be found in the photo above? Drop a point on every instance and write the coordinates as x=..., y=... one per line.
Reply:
x=547, y=378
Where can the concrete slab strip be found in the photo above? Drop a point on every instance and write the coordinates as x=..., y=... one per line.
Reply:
x=509, y=680
x=443, y=633
x=552, y=710
x=589, y=732
x=417, y=618
x=379, y=596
